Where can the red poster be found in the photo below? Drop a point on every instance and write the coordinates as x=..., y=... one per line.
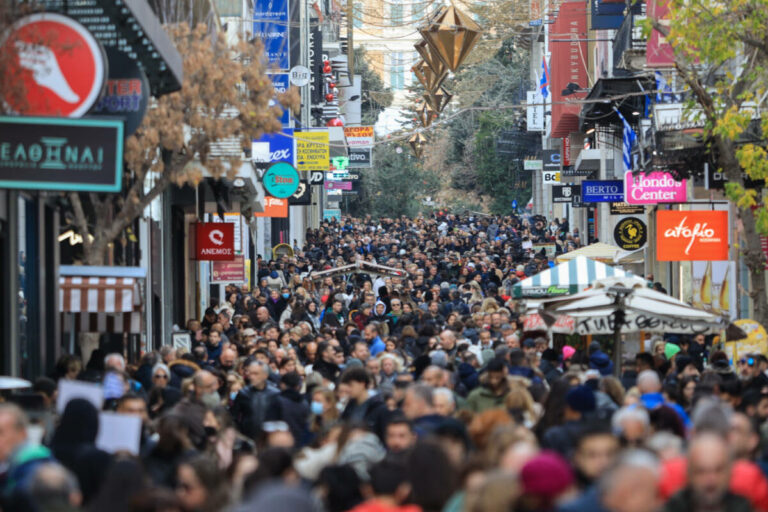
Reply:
x=229, y=271
x=691, y=236
x=215, y=241
x=568, y=65
x=658, y=53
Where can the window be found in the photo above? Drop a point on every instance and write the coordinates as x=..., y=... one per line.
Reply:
x=397, y=71
x=417, y=12
x=396, y=12
x=357, y=14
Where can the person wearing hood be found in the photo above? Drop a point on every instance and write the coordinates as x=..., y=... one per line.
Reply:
x=599, y=360
x=379, y=312
x=549, y=367
x=74, y=445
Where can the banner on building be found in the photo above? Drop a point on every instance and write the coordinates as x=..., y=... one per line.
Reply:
x=312, y=151
x=360, y=158
x=272, y=148
x=270, y=26
x=630, y=233
x=691, y=235
x=302, y=196
x=229, y=272
x=564, y=193
x=215, y=241
x=550, y=177
x=623, y=208
x=532, y=165
x=534, y=112
x=658, y=53
x=332, y=213
x=713, y=286
x=274, y=208
x=551, y=159
x=653, y=188
x=281, y=82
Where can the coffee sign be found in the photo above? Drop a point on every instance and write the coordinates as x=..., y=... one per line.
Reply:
x=653, y=188
x=691, y=235
x=61, y=154
x=630, y=234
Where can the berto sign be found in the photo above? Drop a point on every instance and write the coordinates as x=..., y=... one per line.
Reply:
x=215, y=241
x=692, y=235
x=602, y=191
x=652, y=188
x=61, y=154
x=281, y=180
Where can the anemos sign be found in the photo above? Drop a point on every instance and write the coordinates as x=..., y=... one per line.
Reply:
x=653, y=188
x=215, y=241
x=692, y=235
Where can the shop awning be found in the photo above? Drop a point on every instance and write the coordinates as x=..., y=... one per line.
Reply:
x=565, y=279
x=603, y=113
x=103, y=322
x=598, y=251
x=98, y=295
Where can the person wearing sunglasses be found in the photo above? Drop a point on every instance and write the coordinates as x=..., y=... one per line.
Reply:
x=161, y=375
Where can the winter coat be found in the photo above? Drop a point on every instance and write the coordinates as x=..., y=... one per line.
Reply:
x=600, y=361
x=250, y=407
x=482, y=399
x=373, y=412
x=289, y=406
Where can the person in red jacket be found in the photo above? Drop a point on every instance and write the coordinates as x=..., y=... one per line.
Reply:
x=388, y=488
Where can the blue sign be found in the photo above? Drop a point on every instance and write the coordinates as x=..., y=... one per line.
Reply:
x=332, y=213
x=281, y=180
x=514, y=204
x=274, y=147
x=607, y=15
x=602, y=191
x=281, y=81
x=270, y=26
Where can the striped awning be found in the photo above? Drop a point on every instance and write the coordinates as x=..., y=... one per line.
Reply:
x=565, y=279
x=103, y=322
x=98, y=295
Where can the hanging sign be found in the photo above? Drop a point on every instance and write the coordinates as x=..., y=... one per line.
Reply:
x=281, y=180
x=215, y=241
x=61, y=67
x=270, y=26
x=302, y=196
x=127, y=92
x=550, y=177
x=626, y=209
x=630, y=234
x=602, y=191
x=313, y=151
x=653, y=188
x=564, y=193
x=691, y=235
x=274, y=208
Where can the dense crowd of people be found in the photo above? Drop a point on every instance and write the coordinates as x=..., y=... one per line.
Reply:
x=412, y=388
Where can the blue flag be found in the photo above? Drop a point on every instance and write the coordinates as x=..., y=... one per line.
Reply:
x=544, y=82
x=664, y=92
x=629, y=140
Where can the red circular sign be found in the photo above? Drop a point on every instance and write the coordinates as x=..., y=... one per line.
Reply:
x=60, y=64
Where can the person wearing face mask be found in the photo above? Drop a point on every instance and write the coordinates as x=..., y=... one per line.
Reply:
x=324, y=409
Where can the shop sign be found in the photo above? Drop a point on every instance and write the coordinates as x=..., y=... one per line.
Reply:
x=313, y=151
x=551, y=159
x=623, y=208
x=331, y=213
x=691, y=235
x=316, y=177
x=532, y=165
x=630, y=234
x=281, y=83
x=228, y=271
x=564, y=193
x=550, y=177
x=338, y=185
x=274, y=208
x=359, y=136
x=215, y=241
x=127, y=92
x=61, y=67
x=360, y=158
x=281, y=180
x=534, y=112
x=653, y=188
x=602, y=191
x=51, y=153
x=271, y=148
x=302, y=196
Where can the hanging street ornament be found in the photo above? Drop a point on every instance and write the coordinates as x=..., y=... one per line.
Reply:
x=430, y=58
x=451, y=35
x=426, y=114
x=427, y=77
x=417, y=141
x=438, y=100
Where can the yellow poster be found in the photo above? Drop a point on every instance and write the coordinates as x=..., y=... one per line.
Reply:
x=756, y=341
x=313, y=151
x=714, y=287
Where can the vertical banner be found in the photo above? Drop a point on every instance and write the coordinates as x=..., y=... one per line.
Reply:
x=534, y=112
x=713, y=285
x=270, y=26
x=281, y=84
x=316, y=61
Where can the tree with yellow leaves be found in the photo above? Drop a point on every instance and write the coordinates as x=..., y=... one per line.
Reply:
x=721, y=54
x=225, y=95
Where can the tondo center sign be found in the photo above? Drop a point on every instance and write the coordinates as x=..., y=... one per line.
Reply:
x=653, y=188
x=692, y=235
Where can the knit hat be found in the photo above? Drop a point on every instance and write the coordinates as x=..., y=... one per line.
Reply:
x=546, y=475
x=581, y=399
x=568, y=352
x=273, y=274
x=594, y=346
x=670, y=349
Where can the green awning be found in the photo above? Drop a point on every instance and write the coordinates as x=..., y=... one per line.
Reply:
x=565, y=279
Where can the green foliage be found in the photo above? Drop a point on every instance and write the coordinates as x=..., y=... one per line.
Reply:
x=396, y=185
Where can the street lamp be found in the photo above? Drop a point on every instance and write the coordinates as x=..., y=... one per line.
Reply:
x=620, y=294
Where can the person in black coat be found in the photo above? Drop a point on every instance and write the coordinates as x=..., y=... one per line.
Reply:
x=291, y=407
x=370, y=410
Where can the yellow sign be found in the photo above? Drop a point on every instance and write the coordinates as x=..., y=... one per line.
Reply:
x=756, y=341
x=247, y=285
x=281, y=250
x=313, y=151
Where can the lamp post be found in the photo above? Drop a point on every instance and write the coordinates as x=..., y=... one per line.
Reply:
x=620, y=294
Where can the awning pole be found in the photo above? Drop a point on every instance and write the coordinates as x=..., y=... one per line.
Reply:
x=72, y=335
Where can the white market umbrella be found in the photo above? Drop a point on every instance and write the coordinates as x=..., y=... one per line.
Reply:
x=13, y=383
x=620, y=305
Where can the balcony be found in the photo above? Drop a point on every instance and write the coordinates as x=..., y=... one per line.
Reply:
x=629, y=45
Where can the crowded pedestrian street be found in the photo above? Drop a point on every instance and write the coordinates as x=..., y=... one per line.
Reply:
x=383, y=256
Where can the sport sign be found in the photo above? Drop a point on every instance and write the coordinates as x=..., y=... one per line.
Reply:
x=215, y=241
x=691, y=235
x=60, y=66
x=652, y=188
